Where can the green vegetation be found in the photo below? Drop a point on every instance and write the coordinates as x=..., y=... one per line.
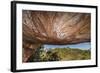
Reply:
x=60, y=54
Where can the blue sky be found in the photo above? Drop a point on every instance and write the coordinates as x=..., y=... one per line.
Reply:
x=86, y=45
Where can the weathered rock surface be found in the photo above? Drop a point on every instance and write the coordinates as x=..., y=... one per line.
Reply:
x=56, y=27
x=41, y=27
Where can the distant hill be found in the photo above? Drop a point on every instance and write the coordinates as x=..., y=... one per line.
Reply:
x=61, y=54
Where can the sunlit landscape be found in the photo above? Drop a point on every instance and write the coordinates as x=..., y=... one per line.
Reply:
x=62, y=53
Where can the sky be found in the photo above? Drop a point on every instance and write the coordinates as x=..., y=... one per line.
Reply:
x=84, y=46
